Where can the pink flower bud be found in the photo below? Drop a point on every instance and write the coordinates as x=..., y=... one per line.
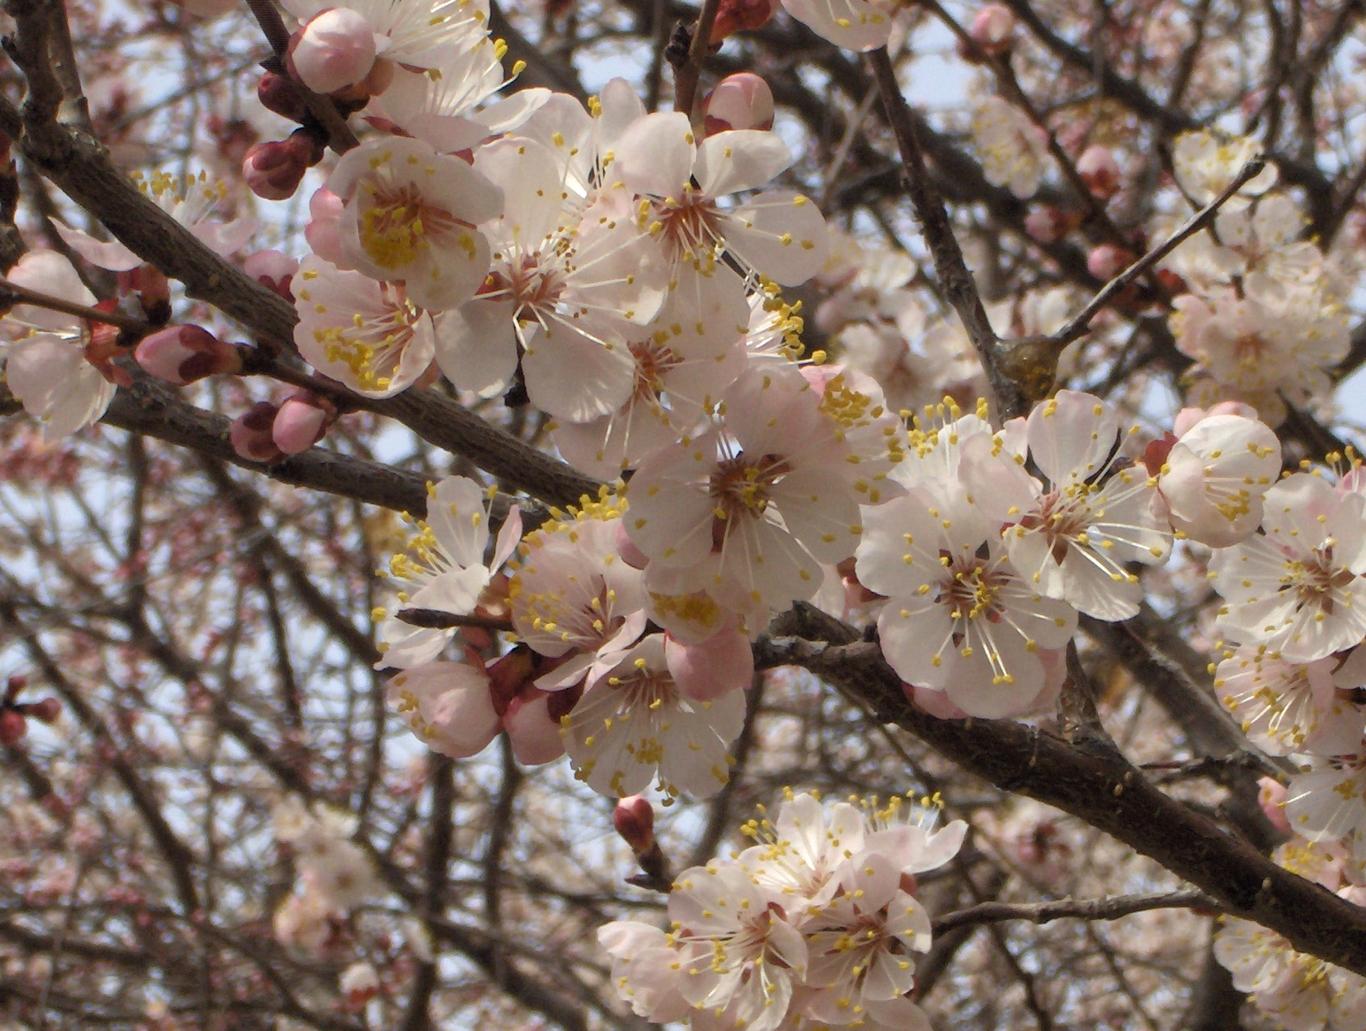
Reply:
x=1099, y=171
x=272, y=269
x=250, y=434
x=1107, y=261
x=12, y=727
x=184, y=354
x=739, y=15
x=739, y=101
x=301, y=422
x=323, y=231
x=1047, y=224
x=634, y=820
x=272, y=170
x=335, y=49
x=279, y=94
x=992, y=28
x=1271, y=795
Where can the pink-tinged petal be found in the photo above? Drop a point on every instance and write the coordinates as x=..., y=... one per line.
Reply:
x=1296, y=512
x=744, y=159
x=225, y=238
x=456, y=512
x=977, y=685
x=404, y=646
x=788, y=944
x=535, y=736
x=852, y=24
x=509, y=534
x=50, y=273
x=446, y=278
x=606, y=446
x=447, y=705
x=916, y=640
x=670, y=519
x=572, y=376
x=106, y=254
x=533, y=201
x=706, y=314
x=892, y=531
x=873, y=878
x=907, y=919
x=1000, y=488
x=720, y=664
x=1094, y=590
x=56, y=385
x=476, y=346
x=455, y=591
x=1071, y=434
x=823, y=516
x=781, y=234
x=655, y=154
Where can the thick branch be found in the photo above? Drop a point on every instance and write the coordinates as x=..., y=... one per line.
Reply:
x=1096, y=784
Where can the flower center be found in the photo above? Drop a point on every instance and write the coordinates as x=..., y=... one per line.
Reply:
x=395, y=225
x=740, y=486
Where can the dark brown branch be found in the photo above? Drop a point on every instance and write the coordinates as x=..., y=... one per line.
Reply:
x=1096, y=784
x=955, y=280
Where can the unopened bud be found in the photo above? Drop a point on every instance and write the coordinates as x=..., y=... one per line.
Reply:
x=336, y=49
x=739, y=101
x=1047, y=224
x=301, y=422
x=250, y=434
x=12, y=727
x=1099, y=171
x=184, y=354
x=273, y=270
x=634, y=820
x=1107, y=260
x=273, y=170
x=279, y=94
x=992, y=28
x=740, y=15
x=1271, y=795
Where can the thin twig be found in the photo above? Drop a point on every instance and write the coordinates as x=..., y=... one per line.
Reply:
x=1073, y=909
x=1081, y=322
x=81, y=311
x=687, y=74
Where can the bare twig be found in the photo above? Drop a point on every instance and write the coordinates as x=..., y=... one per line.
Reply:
x=1073, y=909
x=1078, y=325
x=16, y=292
x=687, y=74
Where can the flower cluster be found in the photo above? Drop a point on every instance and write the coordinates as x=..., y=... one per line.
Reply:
x=1298, y=991
x=816, y=924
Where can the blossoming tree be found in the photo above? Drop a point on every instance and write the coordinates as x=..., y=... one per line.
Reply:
x=601, y=515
